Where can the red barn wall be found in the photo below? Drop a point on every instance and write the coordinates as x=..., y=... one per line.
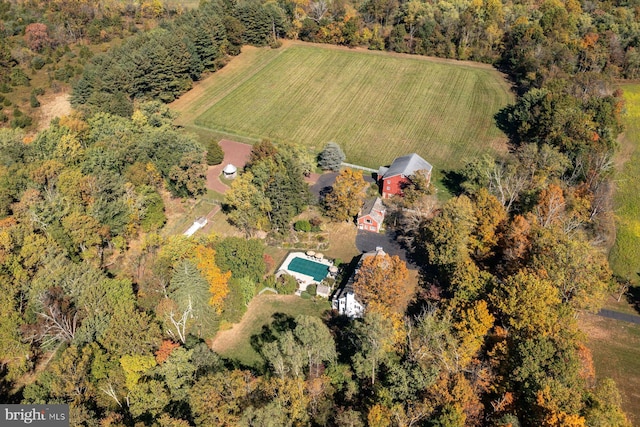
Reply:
x=393, y=186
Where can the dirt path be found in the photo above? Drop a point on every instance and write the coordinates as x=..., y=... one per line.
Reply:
x=235, y=153
x=52, y=106
x=230, y=338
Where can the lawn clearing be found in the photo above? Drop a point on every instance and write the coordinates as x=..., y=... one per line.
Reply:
x=181, y=213
x=615, y=346
x=377, y=106
x=235, y=343
x=624, y=257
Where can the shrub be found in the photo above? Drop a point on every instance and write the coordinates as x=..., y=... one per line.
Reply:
x=312, y=290
x=305, y=295
x=21, y=122
x=38, y=62
x=286, y=284
x=19, y=78
x=33, y=101
x=275, y=44
x=302, y=225
x=85, y=52
x=38, y=91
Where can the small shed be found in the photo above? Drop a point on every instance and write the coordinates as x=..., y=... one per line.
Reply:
x=230, y=171
x=323, y=290
x=197, y=225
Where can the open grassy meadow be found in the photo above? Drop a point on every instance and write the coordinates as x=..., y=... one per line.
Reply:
x=375, y=105
x=625, y=254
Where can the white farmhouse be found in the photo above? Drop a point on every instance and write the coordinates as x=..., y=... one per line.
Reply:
x=345, y=300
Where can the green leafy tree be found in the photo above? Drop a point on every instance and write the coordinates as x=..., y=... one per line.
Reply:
x=148, y=397
x=187, y=178
x=580, y=273
x=178, y=372
x=605, y=406
x=316, y=340
x=131, y=332
x=375, y=337
x=447, y=236
x=243, y=257
x=249, y=207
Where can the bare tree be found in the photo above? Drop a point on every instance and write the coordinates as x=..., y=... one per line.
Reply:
x=179, y=322
x=317, y=10
x=621, y=287
x=57, y=322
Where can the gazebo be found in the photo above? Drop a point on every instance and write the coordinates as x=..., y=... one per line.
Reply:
x=230, y=171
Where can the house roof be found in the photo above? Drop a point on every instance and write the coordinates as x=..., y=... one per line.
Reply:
x=406, y=165
x=373, y=208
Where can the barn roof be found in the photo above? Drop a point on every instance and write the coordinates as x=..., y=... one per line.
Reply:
x=407, y=165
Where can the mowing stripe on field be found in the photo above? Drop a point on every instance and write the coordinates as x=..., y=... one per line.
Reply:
x=375, y=106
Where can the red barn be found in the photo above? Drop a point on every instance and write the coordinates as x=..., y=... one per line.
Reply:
x=394, y=178
x=371, y=215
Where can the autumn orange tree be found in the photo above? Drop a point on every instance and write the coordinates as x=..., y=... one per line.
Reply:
x=346, y=196
x=205, y=258
x=384, y=279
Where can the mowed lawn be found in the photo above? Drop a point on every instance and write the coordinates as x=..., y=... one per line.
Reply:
x=625, y=255
x=377, y=106
x=235, y=343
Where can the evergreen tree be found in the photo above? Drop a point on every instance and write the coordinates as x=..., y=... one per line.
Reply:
x=331, y=157
x=215, y=155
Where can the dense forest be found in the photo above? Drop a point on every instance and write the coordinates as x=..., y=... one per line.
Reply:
x=118, y=315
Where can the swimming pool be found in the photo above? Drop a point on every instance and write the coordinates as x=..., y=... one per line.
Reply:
x=309, y=268
x=306, y=269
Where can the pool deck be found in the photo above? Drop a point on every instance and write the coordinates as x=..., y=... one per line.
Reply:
x=303, y=279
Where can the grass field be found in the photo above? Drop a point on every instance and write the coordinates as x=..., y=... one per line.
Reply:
x=235, y=343
x=625, y=255
x=615, y=346
x=375, y=105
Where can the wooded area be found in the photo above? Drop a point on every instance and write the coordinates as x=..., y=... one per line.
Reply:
x=117, y=315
